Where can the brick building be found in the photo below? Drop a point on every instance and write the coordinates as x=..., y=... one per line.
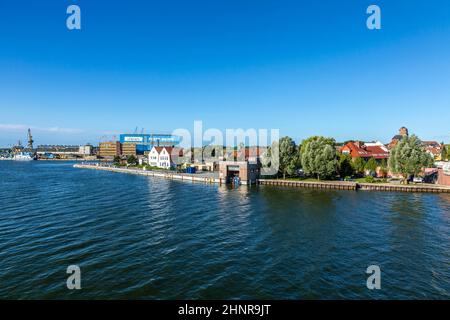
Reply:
x=444, y=175
x=246, y=171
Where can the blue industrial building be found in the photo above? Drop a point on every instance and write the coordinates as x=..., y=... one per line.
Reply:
x=145, y=142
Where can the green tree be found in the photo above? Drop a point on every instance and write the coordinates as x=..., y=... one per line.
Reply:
x=329, y=141
x=288, y=158
x=371, y=165
x=318, y=157
x=444, y=152
x=384, y=168
x=132, y=160
x=409, y=157
x=359, y=164
x=345, y=166
x=116, y=160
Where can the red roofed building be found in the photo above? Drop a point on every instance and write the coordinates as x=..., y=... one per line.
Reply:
x=402, y=132
x=248, y=153
x=434, y=148
x=354, y=149
x=377, y=152
x=357, y=149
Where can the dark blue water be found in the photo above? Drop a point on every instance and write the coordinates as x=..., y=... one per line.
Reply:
x=139, y=237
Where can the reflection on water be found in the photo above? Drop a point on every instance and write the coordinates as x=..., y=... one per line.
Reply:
x=152, y=238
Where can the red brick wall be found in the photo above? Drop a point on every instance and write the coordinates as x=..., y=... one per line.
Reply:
x=443, y=179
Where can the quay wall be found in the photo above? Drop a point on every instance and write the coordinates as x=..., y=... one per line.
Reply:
x=337, y=185
x=334, y=185
x=150, y=173
x=428, y=188
x=342, y=185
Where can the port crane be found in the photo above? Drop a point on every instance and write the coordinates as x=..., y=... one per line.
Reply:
x=30, y=140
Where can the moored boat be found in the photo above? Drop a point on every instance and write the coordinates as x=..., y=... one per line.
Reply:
x=23, y=156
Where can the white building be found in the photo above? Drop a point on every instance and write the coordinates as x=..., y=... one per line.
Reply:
x=164, y=157
x=85, y=150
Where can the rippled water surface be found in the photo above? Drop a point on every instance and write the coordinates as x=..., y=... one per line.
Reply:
x=137, y=237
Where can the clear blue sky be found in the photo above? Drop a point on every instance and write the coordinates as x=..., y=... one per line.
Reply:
x=305, y=67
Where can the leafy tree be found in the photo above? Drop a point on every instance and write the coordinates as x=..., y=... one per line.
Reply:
x=444, y=152
x=116, y=160
x=345, y=166
x=371, y=165
x=329, y=141
x=384, y=168
x=132, y=160
x=359, y=165
x=288, y=161
x=318, y=157
x=409, y=157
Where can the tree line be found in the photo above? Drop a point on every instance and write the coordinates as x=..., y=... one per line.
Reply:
x=318, y=157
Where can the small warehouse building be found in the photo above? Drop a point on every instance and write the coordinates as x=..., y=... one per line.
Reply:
x=235, y=172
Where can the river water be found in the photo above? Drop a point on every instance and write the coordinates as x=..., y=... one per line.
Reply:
x=137, y=237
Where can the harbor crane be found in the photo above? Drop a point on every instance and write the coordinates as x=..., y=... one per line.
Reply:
x=30, y=140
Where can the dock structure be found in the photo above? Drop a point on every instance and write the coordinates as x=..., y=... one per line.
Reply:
x=152, y=173
x=427, y=188
x=321, y=185
x=344, y=185
x=336, y=185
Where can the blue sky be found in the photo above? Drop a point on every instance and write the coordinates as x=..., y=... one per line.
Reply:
x=304, y=67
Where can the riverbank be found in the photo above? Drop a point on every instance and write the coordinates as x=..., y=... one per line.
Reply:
x=209, y=177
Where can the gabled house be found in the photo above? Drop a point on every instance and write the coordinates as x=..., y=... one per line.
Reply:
x=357, y=149
x=377, y=144
x=433, y=148
x=164, y=157
x=377, y=152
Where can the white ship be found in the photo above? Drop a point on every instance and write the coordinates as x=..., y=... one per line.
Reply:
x=19, y=153
x=23, y=156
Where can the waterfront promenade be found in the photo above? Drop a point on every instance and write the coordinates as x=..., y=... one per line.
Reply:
x=206, y=177
x=209, y=177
